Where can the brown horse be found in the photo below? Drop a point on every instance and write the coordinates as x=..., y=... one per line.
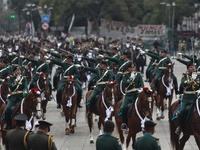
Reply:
x=142, y=109
x=42, y=85
x=69, y=103
x=190, y=126
x=4, y=91
x=165, y=91
x=104, y=107
x=31, y=106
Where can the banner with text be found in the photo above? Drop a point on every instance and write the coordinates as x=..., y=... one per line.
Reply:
x=117, y=29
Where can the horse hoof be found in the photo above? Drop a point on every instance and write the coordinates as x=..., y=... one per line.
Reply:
x=62, y=113
x=91, y=141
x=95, y=119
x=162, y=117
x=67, y=132
x=157, y=118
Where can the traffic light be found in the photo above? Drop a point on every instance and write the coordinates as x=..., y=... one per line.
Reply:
x=12, y=16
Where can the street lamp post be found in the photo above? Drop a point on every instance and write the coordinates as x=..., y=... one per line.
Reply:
x=30, y=8
x=173, y=16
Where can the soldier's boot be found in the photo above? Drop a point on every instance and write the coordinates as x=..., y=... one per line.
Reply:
x=50, y=96
x=176, y=86
x=79, y=97
x=124, y=120
x=91, y=106
x=55, y=82
x=7, y=121
x=58, y=98
x=180, y=122
x=154, y=86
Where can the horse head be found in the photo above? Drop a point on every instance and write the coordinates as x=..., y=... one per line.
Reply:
x=69, y=86
x=168, y=72
x=110, y=91
x=32, y=103
x=145, y=101
x=42, y=81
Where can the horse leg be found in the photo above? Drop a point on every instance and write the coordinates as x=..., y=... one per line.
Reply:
x=128, y=139
x=162, y=107
x=133, y=139
x=67, y=120
x=73, y=119
x=90, y=125
x=100, y=123
x=44, y=110
x=158, y=107
x=197, y=137
x=183, y=140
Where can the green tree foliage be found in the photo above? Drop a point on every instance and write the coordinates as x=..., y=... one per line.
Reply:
x=132, y=12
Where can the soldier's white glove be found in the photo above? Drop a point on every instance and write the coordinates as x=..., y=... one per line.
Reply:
x=146, y=50
x=132, y=75
x=28, y=125
x=18, y=78
x=21, y=56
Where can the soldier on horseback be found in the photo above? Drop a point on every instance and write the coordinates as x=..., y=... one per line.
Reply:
x=69, y=69
x=163, y=61
x=190, y=86
x=132, y=81
x=18, y=90
x=103, y=75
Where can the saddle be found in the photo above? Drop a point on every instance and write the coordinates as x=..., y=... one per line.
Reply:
x=186, y=113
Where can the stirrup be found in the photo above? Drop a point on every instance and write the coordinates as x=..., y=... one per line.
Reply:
x=123, y=126
x=178, y=130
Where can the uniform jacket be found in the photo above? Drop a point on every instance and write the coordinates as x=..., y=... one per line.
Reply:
x=39, y=141
x=189, y=86
x=14, y=139
x=107, y=142
x=147, y=142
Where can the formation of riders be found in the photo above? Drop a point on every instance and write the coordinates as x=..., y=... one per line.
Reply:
x=106, y=62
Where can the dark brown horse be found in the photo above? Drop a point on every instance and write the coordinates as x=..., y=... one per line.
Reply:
x=4, y=91
x=42, y=85
x=104, y=107
x=190, y=126
x=31, y=106
x=165, y=91
x=69, y=103
x=141, y=109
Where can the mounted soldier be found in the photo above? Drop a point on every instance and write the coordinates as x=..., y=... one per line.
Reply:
x=18, y=90
x=103, y=75
x=163, y=61
x=69, y=69
x=132, y=81
x=190, y=85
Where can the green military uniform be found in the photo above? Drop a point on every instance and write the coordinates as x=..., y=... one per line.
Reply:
x=121, y=64
x=107, y=142
x=154, y=58
x=189, y=96
x=196, y=61
x=93, y=77
x=18, y=87
x=68, y=69
x=147, y=142
x=40, y=66
x=16, y=61
x=41, y=141
x=103, y=76
x=159, y=72
x=4, y=73
x=59, y=70
x=132, y=82
x=14, y=139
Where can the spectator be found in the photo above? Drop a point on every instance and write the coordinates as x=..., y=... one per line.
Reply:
x=41, y=140
x=151, y=143
x=107, y=141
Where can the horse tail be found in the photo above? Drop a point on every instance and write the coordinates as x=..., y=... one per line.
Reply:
x=174, y=138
